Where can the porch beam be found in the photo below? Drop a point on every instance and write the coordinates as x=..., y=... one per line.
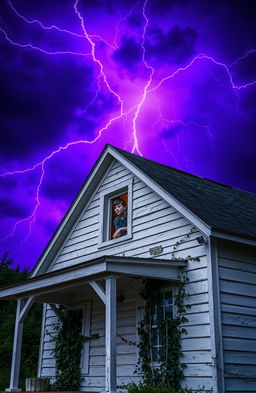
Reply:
x=26, y=308
x=99, y=290
x=21, y=312
x=110, y=334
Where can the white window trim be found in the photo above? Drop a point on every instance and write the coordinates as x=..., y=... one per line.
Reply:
x=105, y=213
x=174, y=309
x=140, y=304
x=86, y=330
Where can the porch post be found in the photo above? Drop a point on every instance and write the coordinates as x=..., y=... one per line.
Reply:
x=16, y=352
x=110, y=335
x=17, y=343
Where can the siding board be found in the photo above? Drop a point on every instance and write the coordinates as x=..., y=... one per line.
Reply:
x=154, y=223
x=238, y=311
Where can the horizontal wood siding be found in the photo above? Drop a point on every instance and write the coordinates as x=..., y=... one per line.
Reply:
x=48, y=362
x=126, y=331
x=154, y=223
x=237, y=270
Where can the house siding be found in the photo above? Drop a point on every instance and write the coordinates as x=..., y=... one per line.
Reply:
x=154, y=222
x=237, y=272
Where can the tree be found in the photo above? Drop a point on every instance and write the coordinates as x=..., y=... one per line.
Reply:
x=32, y=327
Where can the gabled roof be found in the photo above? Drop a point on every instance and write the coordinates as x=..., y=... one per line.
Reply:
x=211, y=206
x=219, y=206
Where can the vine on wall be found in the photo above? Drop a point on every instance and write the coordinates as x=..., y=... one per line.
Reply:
x=169, y=371
x=67, y=351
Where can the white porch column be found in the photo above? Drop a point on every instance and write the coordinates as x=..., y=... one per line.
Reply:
x=17, y=343
x=110, y=335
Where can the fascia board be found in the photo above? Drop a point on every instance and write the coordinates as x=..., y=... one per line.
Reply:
x=73, y=213
x=235, y=238
x=71, y=276
x=49, y=281
x=158, y=270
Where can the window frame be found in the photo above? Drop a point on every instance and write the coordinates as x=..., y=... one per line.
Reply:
x=163, y=290
x=106, y=213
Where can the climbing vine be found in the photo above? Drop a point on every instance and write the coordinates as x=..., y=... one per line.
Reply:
x=67, y=350
x=169, y=371
x=178, y=243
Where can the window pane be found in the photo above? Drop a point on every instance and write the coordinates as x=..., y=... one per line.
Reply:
x=155, y=357
x=154, y=314
x=76, y=318
x=155, y=337
x=162, y=308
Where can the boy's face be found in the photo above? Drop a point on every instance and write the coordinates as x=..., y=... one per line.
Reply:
x=120, y=209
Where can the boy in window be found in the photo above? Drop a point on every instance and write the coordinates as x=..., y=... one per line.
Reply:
x=120, y=222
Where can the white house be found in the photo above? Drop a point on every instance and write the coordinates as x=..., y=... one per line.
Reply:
x=178, y=224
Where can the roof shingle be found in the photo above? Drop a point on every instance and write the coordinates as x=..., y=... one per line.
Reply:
x=221, y=207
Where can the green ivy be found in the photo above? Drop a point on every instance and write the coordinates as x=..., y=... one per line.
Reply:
x=169, y=373
x=67, y=351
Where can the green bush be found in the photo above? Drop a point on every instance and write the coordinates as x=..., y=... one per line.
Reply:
x=147, y=388
x=32, y=328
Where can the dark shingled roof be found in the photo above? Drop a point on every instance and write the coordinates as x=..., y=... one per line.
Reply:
x=219, y=206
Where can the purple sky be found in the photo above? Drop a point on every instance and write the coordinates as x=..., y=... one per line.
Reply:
x=173, y=81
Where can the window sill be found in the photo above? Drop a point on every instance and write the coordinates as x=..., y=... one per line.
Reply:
x=113, y=242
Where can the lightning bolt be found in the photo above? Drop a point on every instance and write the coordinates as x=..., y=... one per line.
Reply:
x=135, y=110
x=37, y=48
x=146, y=88
x=32, y=217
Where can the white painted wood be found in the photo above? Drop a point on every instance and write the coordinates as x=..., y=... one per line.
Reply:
x=86, y=327
x=21, y=312
x=111, y=335
x=238, y=308
x=26, y=308
x=41, y=345
x=17, y=343
x=198, y=384
x=215, y=318
x=99, y=290
x=170, y=199
x=155, y=223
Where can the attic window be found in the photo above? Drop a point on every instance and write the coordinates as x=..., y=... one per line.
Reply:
x=119, y=213
x=115, y=216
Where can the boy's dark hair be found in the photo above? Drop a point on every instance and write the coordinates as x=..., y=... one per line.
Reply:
x=119, y=201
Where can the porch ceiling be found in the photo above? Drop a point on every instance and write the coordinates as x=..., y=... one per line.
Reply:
x=51, y=285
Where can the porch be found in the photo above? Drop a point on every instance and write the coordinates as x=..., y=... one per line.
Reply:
x=73, y=285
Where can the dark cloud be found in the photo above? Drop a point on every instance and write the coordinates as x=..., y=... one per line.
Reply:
x=195, y=120
x=63, y=180
x=162, y=7
x=174, y=47
x=129, y=54
x=12, y=208
x=39, y=100
x=136, y=20
x=101, y=105
x=244, y=69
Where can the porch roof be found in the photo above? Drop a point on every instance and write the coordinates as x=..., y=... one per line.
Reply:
x=79, y=274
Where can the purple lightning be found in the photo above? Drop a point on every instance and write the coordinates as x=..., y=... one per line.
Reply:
x=144, y=96
x=135, y=109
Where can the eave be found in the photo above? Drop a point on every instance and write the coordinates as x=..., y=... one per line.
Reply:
x=82, y=273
